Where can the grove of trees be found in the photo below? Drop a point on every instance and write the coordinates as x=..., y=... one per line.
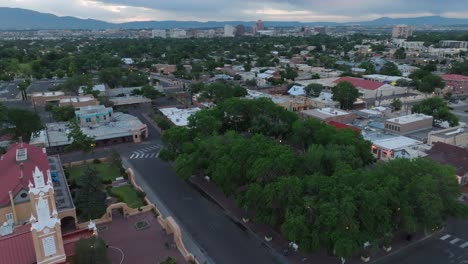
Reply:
x=438, y=108
x=309, y=181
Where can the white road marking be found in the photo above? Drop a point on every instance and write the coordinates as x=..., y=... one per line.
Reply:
x=151, y=155
x=132, y=156
x=455, y=241
x=464, y=245
x=445, y=237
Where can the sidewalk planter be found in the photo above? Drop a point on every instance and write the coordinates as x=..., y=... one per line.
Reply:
x=245, y=220
x=268, y=239
x=387, y=248
x=365, y=258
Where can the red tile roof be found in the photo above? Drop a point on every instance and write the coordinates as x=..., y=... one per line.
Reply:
x=454, y=77
x=18, y=247
x=361, y=83
x=450, y=155
x=10, y=178
x=339, y=125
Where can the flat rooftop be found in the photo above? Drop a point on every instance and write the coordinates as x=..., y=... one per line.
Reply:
x=77, y=99
x=409, y=118
x=46, y=94
x=390, y=142
x=179, y=116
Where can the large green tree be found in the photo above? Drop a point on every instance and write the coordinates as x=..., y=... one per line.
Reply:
x=346, y=94
x=63, y=113
x=390, y=68
x=80, y=141
x=90, y=199
x=437, y=108
x=313, y=89
x=22, y=123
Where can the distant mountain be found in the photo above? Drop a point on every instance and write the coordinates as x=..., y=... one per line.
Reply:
x=20, y=19
x=17, y=18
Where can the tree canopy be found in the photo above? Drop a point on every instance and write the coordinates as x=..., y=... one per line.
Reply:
x=426, y=81
x=438, y=108
x=346, y=94
x=90, y=199
x=22, y=123
x=80, y=141
x=390, y=68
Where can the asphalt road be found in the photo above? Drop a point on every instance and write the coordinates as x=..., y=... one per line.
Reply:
x=208, y=232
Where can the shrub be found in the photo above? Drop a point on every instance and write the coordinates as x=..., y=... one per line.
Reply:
x=96, y=161
x=106, y=181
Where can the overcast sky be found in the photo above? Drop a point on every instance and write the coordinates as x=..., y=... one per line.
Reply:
x=223, y=10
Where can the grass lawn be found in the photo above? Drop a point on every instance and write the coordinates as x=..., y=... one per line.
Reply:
x=105, y=171
x=128, y=195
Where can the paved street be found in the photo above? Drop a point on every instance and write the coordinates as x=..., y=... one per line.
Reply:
x=208, y=232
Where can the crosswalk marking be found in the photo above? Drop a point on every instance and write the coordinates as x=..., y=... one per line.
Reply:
x=445, y=237
x=464, y=245
x=455, y=241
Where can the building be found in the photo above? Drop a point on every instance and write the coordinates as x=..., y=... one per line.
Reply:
x=406, y=70
x=297, y=90
x=371, y=89
x=78, y=101
x=456, y=83
x=177, y=33
x=101, y=88
x=454, y=44
x=330, y=114
x=229, y=31
x=408, y=124
x=402, y=31
x=35, y=208
x=384, y=78
x=324, y=100
x=454, y=156
x=412, y=45
x=260, y=25
x=179, y=117
x=388, y=146
x=128, y=61
x=320, y=30
x=59, y=99
x=158, y=33
x=102, y=123
x=457, y=136
x=240, y=30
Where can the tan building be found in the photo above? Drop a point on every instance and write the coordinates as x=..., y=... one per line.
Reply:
x=330, y=114
x=60, y=99
x=78, y=101
x=402, y=31
x=408, y=124
x=41, y=99
x=457, y=136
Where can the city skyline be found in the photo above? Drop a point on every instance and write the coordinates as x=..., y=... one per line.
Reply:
x=223, y=10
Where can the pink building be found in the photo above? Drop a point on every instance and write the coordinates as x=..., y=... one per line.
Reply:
x=456, y=83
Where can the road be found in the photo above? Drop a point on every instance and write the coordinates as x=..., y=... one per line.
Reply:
x=459, y=110
x=208, y=232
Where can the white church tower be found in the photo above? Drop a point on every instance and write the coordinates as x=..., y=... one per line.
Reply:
x=45, y=228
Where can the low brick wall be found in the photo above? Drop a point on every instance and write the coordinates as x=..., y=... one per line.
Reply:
x=82, y=162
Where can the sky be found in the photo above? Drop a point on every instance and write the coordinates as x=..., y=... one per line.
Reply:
x=246, y=10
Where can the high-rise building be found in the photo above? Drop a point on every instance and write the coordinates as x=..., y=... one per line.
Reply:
x=260, y=25
x=229, y=31
x=240, y=30
x=402, y=31
x=158, y=33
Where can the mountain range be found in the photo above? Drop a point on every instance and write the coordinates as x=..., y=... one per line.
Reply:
x=21, y=19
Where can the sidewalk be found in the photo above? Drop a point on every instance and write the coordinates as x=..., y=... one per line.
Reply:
x=278, y=243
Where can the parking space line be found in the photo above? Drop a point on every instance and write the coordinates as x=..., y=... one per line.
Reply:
x=455, y=241
x=464, y=245
x=445, y=237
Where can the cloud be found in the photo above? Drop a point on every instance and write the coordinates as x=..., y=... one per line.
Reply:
x=204, y=10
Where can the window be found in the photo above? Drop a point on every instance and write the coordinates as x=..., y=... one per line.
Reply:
x=398, y=129
x=9, y=218
x=23, y=195
x=105, y=117
x=88, y=120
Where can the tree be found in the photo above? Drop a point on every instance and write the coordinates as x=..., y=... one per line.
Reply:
x=148, y=91
x=346, y=94
x=73, y=83
x=80, y=141
x=368, y=66
x=396, y=104
x=437, y=108
x=63, y=113
x=400, y=54
x=116, y=161
x=90, y=198
x=91, y=250
x=247, y=67
x=290, y=73
x=313, y=89
x=460, y=68
x=23, y=86
x=251, y=82
x=389, y=68
x=426, y=81
x=23, y=123
x=111, y=76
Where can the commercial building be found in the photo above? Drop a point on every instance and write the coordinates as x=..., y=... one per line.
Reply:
x=371, y=89
x=158, y=33
x=408, y=124
x=179, y=116
x=330, y=114
x=454, y=156
x=457, y=136
x=454, y=44
x=456, y=83
x=60, y=99
x=229, y=31
x=388, y=146
x=402, y=31
x=101, y=123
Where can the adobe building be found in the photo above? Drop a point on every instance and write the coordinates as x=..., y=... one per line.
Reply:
x=60, y=99
x=408, y=124
x=330, y=114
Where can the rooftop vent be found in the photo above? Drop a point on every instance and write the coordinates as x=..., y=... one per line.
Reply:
x=21, y=154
